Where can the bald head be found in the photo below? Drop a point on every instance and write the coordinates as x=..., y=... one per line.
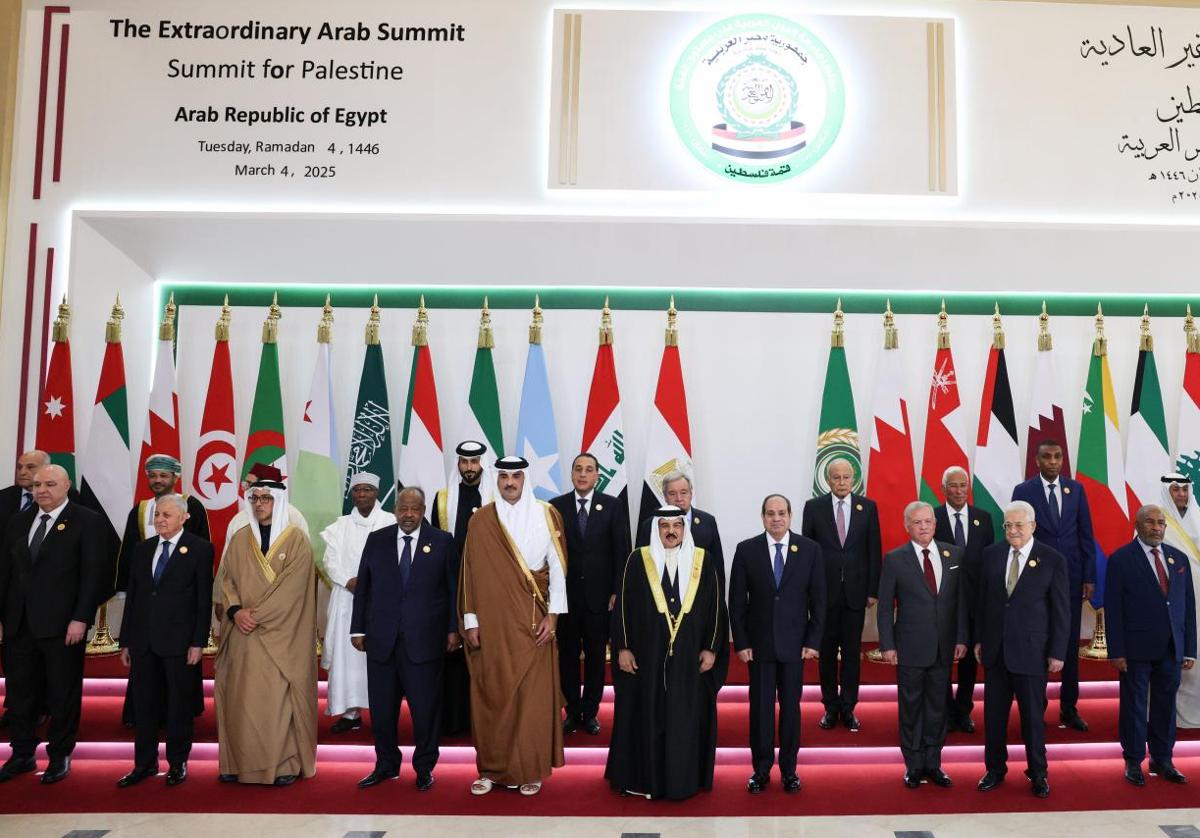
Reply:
x=50, y=487
x=28, y=465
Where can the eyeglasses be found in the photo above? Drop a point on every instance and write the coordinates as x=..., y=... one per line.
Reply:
x=262, y=499
x=1017, y=525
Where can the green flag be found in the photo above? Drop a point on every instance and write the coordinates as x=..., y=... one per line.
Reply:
x=265, y=443
x=371, y=436
x=484, y=401
x=837, y=433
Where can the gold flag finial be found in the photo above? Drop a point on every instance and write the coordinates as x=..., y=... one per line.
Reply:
x=372, y=332
x=606, y=327
x=1100, y=344
x=166, y=331
x=838, y=339
x=535, y=326
x=112, y=329
x=62, y=323
x=1189, y=331
x=325, y=327
x=1045, y=341
x=221, y=330
x=891, y=337
x=943, y=339
x=486, y=339
x=420, y=332
x=672, y=335
x=997, y=330
x=270, y=332
x=1146, y=340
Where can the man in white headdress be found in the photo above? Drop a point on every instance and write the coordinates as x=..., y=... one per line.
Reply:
x=1183, y=533
x=344, y=542
x=512, y=587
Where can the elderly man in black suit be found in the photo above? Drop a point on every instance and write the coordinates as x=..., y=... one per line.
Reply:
x=54, y=573
x=163, y=632
x=597, y=531
x=776, y=609
x=922, y=636
x=1024, y=620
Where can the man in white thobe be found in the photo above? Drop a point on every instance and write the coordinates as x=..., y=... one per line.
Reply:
x=1183, y=533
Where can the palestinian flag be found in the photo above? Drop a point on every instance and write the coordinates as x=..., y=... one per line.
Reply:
x=669, y=445
x=997, y=453
x=837, y=433
x=422, y=462
x=265, y=442
x=56, y=407
x=891, y=475
x=1148, y=456
x=603, y=427
x=945, y=422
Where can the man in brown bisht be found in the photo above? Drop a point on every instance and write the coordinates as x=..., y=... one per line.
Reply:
x=266, y=668
x=512, y=587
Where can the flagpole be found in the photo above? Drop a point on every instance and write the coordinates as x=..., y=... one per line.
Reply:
x=221, y=335
x=1098, y=648
x=102, y=642
x=891, y=340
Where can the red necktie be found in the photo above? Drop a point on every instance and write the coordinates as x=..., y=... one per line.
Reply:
x=1162, y=571
x=930, y=579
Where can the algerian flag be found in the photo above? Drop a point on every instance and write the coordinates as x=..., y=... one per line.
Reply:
x=371, y=437
x=945, y=421
x=105, y=484
x=997, y=454
x=837, y=432
x=265, y=442
x=603, y=426
x=421, y=460
x=1147, y=457
x=537, y=434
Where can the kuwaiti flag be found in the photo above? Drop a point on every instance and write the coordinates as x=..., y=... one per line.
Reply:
x=1147, y=455
x=669, y=445
x=214, y=474
x=316, y=487
x=162, y=419
x=105, y=485
x=603, y=427
x=1187, y=460
x=891, y=475
x=537, y=434
x=1046, y=418
x=945, y=425
x=422, y=462
x=997, y=453
x=56, y=406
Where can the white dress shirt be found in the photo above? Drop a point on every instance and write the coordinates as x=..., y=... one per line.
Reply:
x=847, y=505
x=935, y=559
x=37, y=519
x=771, y=542
x=173, y=541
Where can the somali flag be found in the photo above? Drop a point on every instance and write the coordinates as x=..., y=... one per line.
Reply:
x=537, y=437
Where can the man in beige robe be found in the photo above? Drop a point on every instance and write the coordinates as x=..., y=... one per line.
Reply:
x=266, y=671
x=512, y=587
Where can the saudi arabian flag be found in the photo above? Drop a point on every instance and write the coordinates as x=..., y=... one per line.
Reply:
x=997, y=454
x=837, y=434
x=265, y=443
x=1147, y=455
x=371, y=436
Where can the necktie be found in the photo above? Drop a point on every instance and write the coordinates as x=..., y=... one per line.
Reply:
x=162, y=561
x=930, y=578
x=841, y=522
x=406, y=561
x=960, y=537
x=1014, y=570
x=778, y=564
x=1162, y=571
x=39, y=535
x=1054, y=512
x=26, y=500
x=582, y=518
x=264, y=533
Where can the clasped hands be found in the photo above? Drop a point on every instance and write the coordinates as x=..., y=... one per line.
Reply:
x=628, y=663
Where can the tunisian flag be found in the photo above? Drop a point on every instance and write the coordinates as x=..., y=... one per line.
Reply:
x=891, y=475
x=215, y=476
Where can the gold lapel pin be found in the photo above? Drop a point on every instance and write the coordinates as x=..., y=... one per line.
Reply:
x=696, y=520
x=474, y=509
x=1170, y=560
x=795, y=549
x=1066, y=490
x=282, y=556
x=426, y=549
x=183, y=550
x=858, y=507
x=975, y=522
x=61, y=527
x=1033, y=562
x=599, y=507
x=946, y=553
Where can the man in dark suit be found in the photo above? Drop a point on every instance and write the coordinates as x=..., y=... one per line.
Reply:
x=1023, y=622
x=969, y=528
x=405, y=618
x=847, y=528
x=1150, y=615
x=597, y=531
x=677, y=491
x=54, y=572
x=921, y=637
x=1065, y=524
x=776, y=609
x=163, y=632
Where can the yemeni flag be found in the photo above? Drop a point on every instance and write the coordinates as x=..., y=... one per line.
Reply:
x=997, y=453
x=214, y=476
x=265, y=443
x=1147, y=456
x=603, y=427
x=162, y=419
x=669, y=444
x=422, y=462
x=316, y=489
x=891, y=475
x=56, y=413
x=537, y=433
x=1099, y=467
x=371, y=435
x=1046, y=418
x=1187, y=460
x=105, y=485
x=945, y=422
x=483, y=421
x=837, y=433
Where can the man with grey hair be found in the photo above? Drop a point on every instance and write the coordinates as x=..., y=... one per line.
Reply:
x=702, y=526
x=1024, y=616
x=970, y=528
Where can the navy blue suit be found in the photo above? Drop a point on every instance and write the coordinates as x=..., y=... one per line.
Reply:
x=405, y=628
x=1073, y=538
x=778, y=623
x=1153, y=633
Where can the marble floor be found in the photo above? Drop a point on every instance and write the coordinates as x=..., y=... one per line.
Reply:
x=1172, y=823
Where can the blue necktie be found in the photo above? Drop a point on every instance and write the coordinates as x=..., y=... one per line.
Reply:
x=406, y=561
x=778, y=564
x=1054, y=511
x=582, y=518
x=162, y=561
x=26, y=500
x=960, y=538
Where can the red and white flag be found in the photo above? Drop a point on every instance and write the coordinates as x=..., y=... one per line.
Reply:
x=215, y=476
x=891, y=476
x=669, y=445
x=945, y=422
x=162, y=420
x=603, y=427
x=422, y=462
x=1046, y=418
x=56, y=407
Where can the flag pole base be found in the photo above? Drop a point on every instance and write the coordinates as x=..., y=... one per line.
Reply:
x=102, y=642
x=210, y=645
x=1098, y=649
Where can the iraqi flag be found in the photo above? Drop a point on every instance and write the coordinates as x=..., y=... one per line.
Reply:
x=422, y=462
x=56, y=406
x=945, y=425
x=997, y=453
x=603, y=427
x=669, y=444
x=1147, y=454
x=891, y=475
x=1046, y=418
x=162, y=419
x=214, y=476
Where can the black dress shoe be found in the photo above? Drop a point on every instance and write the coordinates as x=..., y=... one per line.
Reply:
x=939, y=777
x=16, y=766
x=570, y=725
x=990, y=780
x=828, y=720
x=377, y=776
x=344, y=725
x=912, y=779
x=1168, y=772
x=791, y=784
x=4, y=719
x=135, y=776
x=757, y=783
x=177, y=774
x=424, y=781
x=285, y=780
x=850, y=721
x=1133, y=773
x=227, y=778
x=1041, y=787
x=56, y=771
x=1074, y=721
x=965, y=725
x=592, y=726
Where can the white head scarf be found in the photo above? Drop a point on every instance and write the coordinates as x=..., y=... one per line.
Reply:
x=525, y=522
x=687, y=550
x=279, y=513
x=1183, y=531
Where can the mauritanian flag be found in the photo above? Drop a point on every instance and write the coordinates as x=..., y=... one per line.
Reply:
x=162, y=418
x=371, y=435
x=891, y=475
x=1187, y=459
x=265, y=442
x=1046, y=418
x=214, y=476
x=105, y=485
x=483, y=422
x=837, y=432
x=422, y=462
x=945, y=422
x=603, y=427
x=1147, y=453
x=537, y=433
x=56, y=407
x=997, y=453
x=669, y=445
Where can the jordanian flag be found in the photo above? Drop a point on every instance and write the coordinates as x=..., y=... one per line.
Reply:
x=1148, y=456
x=945, y=423
x=105, y=485
x=483, y=421
x=997, y=453
x=56, y=408
x=265, y=442
x=837, y=433
x=669, y=444
x=371, y=436
x=891, y=475
x=603, y=427
x=421, y=459
x=215, y=477
x=316, y=489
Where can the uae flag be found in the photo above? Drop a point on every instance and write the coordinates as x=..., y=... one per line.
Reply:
x=162, y=419
x=537, y=433
x=421, y=460
x=945, y=421
x=1187, y=460
x=1147, y=456
x=265, y=443
x=56, y=407
x=371, y=435
x=105, y=484
x=891, y=476
x=483, y=422
x=837, y=433
x=669, y=444
x=603, y=427
x=997, y=453
x=1046, y=419
x=214, y=476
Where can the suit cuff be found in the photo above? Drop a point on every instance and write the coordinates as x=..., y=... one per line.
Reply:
x=1186, y=658
x=231, y=611
x=357, y=634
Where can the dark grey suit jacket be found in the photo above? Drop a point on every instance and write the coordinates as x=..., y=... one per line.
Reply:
x=924, y=628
